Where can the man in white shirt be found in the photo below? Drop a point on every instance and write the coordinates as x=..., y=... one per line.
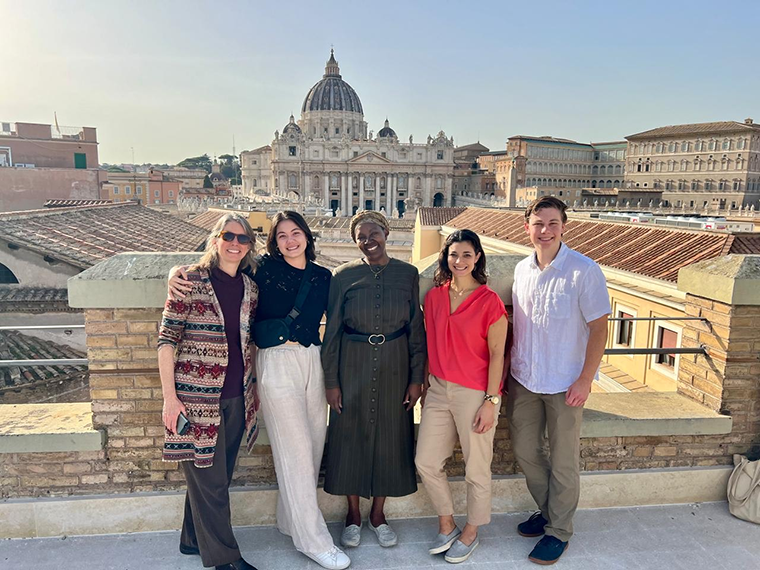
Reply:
x=560, y=309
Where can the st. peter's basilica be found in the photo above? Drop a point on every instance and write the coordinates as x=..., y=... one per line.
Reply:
x=330, y=159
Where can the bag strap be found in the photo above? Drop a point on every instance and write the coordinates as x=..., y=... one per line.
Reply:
x=733, y=480
x=303, y=292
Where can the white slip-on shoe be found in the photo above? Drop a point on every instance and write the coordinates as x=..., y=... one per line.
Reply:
x=351, y=536
x=385, y=535
x=333, y=559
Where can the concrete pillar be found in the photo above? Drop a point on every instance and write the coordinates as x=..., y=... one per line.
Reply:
x=327, y=191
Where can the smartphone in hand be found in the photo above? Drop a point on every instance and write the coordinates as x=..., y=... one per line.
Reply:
x=183, y=424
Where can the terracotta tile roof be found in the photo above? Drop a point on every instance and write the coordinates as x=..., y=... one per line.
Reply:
x=650, y=251
x=17, y=346
x=22, y=299
x=438, y=216
x=70, y=203
x=207, y=219
x=344, y=223
x=722, y=127
x=83, y=236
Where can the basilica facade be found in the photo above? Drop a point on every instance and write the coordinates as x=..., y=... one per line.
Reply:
x=329, y=158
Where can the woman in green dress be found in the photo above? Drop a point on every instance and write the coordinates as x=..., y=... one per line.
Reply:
x=373, y=355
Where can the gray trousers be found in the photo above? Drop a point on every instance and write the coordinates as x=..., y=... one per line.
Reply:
x=553, y=481
x=207, y=524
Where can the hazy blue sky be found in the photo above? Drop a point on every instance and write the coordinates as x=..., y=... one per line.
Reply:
x=178, y=78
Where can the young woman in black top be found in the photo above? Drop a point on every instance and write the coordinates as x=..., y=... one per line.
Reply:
x=291, y=382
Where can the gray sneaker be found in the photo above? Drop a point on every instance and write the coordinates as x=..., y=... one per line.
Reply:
x=460, y=552
x=385, y=535
x=351, y=536
x=443, y=542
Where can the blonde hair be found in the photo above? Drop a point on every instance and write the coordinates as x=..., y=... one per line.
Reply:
x=369, y=216
x=210, y=258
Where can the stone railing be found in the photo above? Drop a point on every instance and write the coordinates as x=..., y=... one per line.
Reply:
x=113, y=445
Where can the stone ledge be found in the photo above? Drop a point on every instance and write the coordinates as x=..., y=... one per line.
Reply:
x=731, y=279
x=40, y=428
x=145, y=512
x=649, y=413
x=126, y=281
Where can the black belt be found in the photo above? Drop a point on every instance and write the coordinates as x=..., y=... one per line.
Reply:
x=373, y=339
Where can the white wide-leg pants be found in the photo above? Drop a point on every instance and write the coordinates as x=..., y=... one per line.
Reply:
x=291, y=388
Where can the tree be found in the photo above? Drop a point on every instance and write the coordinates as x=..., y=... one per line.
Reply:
x=207, y=182
x=203, y=162
x=230, y=168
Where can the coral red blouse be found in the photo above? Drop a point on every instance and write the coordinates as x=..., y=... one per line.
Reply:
x=458, y=343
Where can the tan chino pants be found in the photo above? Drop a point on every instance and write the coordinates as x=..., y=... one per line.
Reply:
x=448, y=415
x=553, y=481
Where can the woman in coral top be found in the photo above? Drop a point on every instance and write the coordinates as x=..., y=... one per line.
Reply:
x=466, y=325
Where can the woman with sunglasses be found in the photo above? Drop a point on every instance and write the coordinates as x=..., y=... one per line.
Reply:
x=206, y=370
x=291, y=382
x=466, y=326
x=374, y=361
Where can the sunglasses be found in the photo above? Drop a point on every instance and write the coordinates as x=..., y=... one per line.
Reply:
x=242, y=239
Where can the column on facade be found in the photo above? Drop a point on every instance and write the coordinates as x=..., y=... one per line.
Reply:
x=426, y=184
x=345, y=180
x=448, y=181
x=389, y=191
x=327, y=191
x=306, y=186
x=283, y=190
x=361, y=191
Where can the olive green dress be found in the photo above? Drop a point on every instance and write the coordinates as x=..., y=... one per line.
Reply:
x=370, y=450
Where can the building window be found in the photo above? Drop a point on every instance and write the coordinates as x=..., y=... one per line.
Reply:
x=726, y=145
x=127, y=189
x=356, y=153
x=115, y=189
x=156, y=194
x=171, y=193
x=139, y=191
x=625, y=329
x=693, y=184
x=316, y=154
x=333, y=154
x=672, y=147
x=292, y=181
x=291, y=151
x=80, y=160
x=666, y=338
x=439, y=155
x=337, y=130
x=6, y=275
x=708, y=186
x=684, y=147
x=419, y=156
x=383, y=155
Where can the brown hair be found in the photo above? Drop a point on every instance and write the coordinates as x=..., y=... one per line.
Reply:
x=297, y=219
x=210, y=258
x=546, y=202
x=443, y=273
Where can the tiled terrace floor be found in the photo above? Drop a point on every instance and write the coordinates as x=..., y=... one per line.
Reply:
x=689, y=537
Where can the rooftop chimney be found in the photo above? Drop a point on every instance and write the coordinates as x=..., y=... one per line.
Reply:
x=748, y=121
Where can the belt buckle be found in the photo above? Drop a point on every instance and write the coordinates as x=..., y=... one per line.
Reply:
x=373, y=343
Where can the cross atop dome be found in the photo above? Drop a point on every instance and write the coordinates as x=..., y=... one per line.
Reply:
x=332, y=69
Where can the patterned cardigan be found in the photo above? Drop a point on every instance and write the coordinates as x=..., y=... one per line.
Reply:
x=194, y=326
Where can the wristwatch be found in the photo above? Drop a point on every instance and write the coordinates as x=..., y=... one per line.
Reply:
x=495, y=400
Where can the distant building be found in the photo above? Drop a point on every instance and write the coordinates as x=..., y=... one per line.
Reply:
x=700, y=165
x=469, y=175
x=188, y=177
x=152, y=187
x=330, y=157
x=40, y=162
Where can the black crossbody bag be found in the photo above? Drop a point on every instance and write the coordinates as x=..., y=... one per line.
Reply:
x=274, y=332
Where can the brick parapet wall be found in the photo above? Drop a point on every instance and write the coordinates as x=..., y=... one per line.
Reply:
x=127, y=400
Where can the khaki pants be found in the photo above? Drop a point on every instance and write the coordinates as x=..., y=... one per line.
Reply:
x=292, y=392
x=554, y=481
x=448, y=415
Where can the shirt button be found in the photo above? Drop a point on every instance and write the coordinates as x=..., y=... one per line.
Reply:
x=377, y=296
x=377, y=306
x=374, y=370
x=372, y=420
x=372, y=400
x=372, y=410
x=375, y=348
x=377, y=316
x=374, y=379
x=377, y=328
x=375, y=359
x=374, y=389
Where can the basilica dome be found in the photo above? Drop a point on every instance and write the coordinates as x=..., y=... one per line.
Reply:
x=387, y=131
x=332, y=93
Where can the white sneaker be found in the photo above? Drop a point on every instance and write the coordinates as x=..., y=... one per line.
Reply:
x=334, y=559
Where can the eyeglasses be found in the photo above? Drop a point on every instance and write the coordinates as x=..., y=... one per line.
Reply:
x=242, y=239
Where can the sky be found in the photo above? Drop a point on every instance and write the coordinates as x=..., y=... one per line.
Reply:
x=169, y=79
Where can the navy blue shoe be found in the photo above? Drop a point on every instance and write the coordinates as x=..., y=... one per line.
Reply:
x=534, y=526
x=548, y=550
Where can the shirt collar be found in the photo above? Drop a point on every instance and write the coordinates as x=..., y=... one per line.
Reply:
x=557, y=262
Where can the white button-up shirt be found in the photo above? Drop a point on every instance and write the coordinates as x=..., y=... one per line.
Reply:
x=551, y=309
